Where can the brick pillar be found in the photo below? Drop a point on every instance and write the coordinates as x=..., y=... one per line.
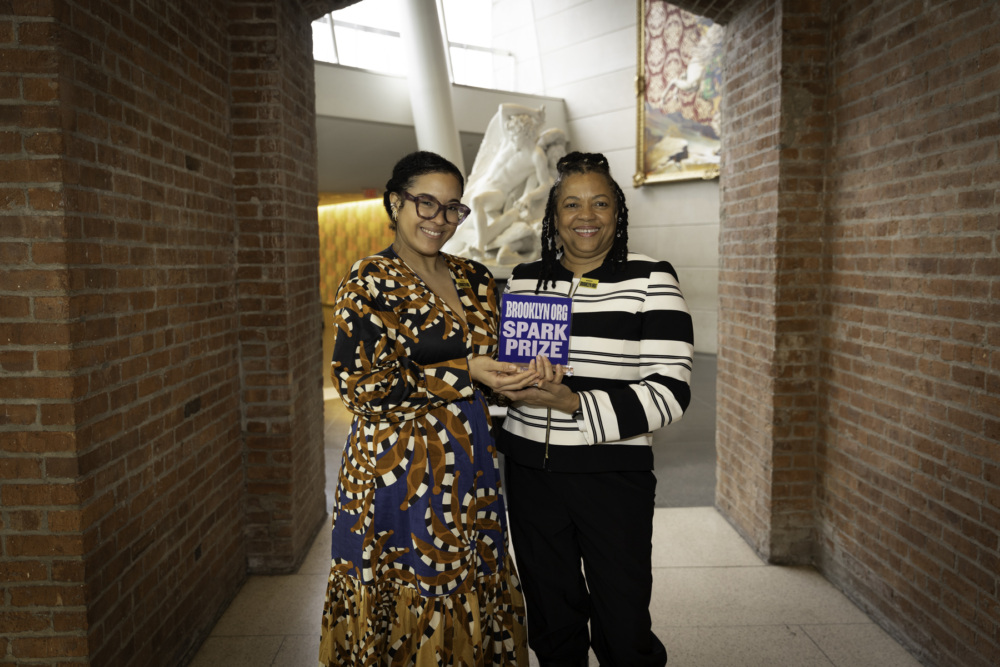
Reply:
x=43, y=542
x=124, y=459
x=800, y=274
x=748, y=216
x=771, y=263
x=280, y=319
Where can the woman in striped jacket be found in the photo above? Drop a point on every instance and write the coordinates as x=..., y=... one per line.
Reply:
x=579, y=477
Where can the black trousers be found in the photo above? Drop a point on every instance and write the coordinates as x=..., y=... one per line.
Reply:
x=603, y=521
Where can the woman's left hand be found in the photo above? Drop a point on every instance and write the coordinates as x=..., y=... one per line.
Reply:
x=549, y=391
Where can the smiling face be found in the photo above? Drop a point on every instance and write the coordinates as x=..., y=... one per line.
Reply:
x=585, y=220
x=413, y=233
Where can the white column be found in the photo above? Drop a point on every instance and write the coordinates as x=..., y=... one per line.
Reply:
x=430, y=89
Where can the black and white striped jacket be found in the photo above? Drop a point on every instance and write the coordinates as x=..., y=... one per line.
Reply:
x=631, y=348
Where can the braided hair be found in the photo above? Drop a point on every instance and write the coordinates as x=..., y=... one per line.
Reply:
x=581, y=163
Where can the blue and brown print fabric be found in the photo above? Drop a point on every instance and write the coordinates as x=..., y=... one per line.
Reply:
x=420, y=572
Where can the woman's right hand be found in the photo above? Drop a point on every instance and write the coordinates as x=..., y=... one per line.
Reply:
x=500, y=376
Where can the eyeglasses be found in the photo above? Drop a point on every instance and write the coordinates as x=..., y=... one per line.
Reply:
x=428, y=208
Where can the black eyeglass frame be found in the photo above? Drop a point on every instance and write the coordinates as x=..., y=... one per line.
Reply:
x=462, y=209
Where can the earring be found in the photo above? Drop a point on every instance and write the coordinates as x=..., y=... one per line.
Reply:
x=395, y=213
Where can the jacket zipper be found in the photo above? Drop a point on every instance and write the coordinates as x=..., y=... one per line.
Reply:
x=548, y=411
x=548, y=427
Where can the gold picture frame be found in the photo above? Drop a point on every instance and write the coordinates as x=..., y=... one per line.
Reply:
x=678, y=95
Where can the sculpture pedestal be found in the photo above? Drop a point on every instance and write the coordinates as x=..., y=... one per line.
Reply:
x=500, y=271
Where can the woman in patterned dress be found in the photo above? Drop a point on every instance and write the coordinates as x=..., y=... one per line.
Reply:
x=420, y=572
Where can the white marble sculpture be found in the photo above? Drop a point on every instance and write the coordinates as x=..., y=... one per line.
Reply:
x=508, y=187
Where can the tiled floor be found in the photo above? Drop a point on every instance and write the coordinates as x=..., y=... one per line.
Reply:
x=715, y=604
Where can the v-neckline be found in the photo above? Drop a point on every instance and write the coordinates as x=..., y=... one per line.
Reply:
x=439, y=300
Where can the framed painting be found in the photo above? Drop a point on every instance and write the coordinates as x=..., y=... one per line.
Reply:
x=679, y=95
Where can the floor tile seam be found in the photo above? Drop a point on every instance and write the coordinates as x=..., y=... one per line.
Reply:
x=258, y=634
x=762, y=625
x=815, y=642
x=680, y=444
x=788, y=626
x=713, y=567
x=845, y=623
x=285, y=576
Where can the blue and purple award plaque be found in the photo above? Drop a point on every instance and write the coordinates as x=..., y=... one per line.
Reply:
x=532, y=325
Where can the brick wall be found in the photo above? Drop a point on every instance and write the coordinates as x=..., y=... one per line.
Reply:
x=910, y=500
x=130, y=384
x=278, y=281
x=799, y=280
x=301, y=237
x=747, y=285
x=858, y=419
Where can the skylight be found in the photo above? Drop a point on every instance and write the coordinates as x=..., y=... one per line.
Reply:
x=367, y=35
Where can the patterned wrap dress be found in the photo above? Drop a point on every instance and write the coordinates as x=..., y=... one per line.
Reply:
x=420, y=572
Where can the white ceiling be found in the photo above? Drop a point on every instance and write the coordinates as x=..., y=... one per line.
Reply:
x=364, y=124
x=355, y=155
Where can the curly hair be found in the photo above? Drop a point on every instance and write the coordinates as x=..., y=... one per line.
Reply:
x=410, y=168
x=581, y=163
